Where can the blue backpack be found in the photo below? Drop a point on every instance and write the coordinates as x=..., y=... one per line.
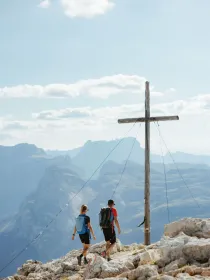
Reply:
x=80, y=224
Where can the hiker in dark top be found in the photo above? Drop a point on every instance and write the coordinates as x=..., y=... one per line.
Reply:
x=83, y=228
x=107, y=224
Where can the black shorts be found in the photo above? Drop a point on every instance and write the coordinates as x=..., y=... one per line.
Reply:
x=85, y=238
x=109, y=235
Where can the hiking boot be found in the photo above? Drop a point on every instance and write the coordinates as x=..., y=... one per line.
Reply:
x=79, y=260
x=85, y=261
x=103, y=254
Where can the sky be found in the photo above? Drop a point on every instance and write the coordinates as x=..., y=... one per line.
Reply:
x=70, y=68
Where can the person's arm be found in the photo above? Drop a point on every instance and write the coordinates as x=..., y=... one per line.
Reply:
x=91, y=230
x=116, y=220
x=73, y=235
x=117, y=224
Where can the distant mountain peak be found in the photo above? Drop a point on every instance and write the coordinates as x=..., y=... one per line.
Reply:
x=21, y=150
x=126, y=139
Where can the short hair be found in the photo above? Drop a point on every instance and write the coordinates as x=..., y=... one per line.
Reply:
x=84, y=208
x=110, y=202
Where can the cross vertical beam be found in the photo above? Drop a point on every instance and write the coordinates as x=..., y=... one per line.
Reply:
x=147, y=121
x=147, y=167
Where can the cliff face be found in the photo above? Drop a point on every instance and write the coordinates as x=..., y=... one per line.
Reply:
x=182, y=253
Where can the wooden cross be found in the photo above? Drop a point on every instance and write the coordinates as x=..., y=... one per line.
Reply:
x=147, y=121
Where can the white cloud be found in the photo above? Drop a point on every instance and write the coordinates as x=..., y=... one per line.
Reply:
x=44, y=4
x=199, y=105
x=77, y=125
x=68, y=113
x=95, y=88
x=171, y=90
x=101, y=117
x=72, y=127
x=90, y=115
x=86, y=8
x=82, y=8
x=5, y=137
x=13, y=125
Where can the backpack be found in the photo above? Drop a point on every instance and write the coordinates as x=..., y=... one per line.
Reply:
x=80, y=224
x=106, y=218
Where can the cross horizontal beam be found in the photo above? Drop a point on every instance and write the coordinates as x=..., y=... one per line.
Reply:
x=151, y=119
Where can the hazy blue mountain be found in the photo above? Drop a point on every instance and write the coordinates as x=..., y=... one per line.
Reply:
x=71, y=153
x=40, y=183
x=20, y=151
x=94, y=152
x=179, y=165
x=183, y=196
x=89, y=156
x=189, y=158
x=59, y=184
x=21, y=168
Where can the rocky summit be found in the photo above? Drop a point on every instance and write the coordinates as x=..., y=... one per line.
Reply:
x=182, y=253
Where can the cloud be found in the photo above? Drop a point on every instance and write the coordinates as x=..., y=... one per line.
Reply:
x=198, y=105
x=45, y=4
x=5, y=137
x=96, y=88
x=14, y=126
x=171, y=90
x=82, y=8
x=72, y=127
x=86, y=8
x=68, y=113
x=103, y=116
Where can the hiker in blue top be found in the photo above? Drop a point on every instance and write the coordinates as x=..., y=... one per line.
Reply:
x=83, y=228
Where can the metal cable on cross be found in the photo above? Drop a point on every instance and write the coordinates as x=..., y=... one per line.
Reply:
x=132, y=146
x=164, y=169
x=178, y=169
x=121, y=175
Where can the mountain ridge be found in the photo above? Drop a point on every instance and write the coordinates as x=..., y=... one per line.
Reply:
x=181, y=253
x=33, y=150
x=60, y=184
x=179, y=156
x=52, y=181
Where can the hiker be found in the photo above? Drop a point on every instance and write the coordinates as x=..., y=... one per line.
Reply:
x=83, y=228
x=108, y=217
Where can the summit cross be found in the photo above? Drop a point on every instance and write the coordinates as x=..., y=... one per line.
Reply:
x=147, y=121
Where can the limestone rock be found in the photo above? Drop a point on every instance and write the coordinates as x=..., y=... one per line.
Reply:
x=100, y=268
x=68, y=266
x=185, y=276
x=175, y=265
x=190, y=226
x=182, y=253
x=129, y=265
x=143, y=271
x=100, y=247
x=150, y=256
x=166, y=277
x=59, y=270
x=110, y=278
x=74, y=277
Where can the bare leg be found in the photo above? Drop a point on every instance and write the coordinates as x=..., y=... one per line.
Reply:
x=79, y=258
x=85, y=249
x=107, y=246
x=109, y=249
